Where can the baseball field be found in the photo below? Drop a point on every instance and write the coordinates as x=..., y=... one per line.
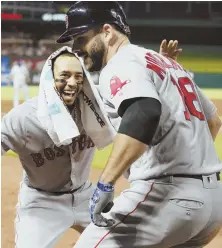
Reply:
x=12, y=173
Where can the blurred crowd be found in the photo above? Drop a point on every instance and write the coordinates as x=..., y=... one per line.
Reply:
x=27, y=50
x=24, y=45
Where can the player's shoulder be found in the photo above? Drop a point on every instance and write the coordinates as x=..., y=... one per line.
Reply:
x=129, y=57
x=131, y=54
x=132, y=51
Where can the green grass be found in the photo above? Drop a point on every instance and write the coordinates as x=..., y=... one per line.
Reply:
x=7, y=92
x=213, y=93
x=218, y=144
x=101, y=157
x=208, y=65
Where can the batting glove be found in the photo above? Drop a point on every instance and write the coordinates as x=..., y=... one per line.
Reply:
x=102, y=201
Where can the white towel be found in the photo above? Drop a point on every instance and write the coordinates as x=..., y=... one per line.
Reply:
x=56, y=119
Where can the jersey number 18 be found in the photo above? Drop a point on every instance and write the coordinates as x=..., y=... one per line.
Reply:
x=188, y=97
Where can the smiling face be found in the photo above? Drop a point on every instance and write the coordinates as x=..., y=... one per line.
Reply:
x=91, y=48
x=68, y=75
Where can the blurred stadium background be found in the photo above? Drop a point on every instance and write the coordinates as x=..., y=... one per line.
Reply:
x=30, y=28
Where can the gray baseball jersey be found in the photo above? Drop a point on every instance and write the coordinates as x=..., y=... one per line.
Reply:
x=46, y=166
x=182, y=143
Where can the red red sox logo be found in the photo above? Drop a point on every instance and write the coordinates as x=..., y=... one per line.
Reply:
x=116, y=85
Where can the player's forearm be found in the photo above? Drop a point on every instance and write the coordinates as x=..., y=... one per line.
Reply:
x=126, y=150
x=140, y=119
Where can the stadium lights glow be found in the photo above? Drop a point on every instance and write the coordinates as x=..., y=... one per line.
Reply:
x=53, y=17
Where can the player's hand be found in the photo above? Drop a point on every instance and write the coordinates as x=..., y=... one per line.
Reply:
x=102, y=201
x=170, y=50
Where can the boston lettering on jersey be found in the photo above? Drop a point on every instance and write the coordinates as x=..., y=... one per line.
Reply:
x=78, y=144
x=159, y=66
x=91, y=105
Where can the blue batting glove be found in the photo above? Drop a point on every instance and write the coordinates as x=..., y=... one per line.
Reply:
x=102, y=201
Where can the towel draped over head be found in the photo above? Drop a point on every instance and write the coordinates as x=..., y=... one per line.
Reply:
x=59, y=123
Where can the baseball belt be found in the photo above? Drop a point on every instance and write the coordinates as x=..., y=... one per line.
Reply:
x=59, y=193
x=199, y=177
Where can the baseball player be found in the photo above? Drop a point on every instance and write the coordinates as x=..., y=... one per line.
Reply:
x=164, y=142
x=54, y=193
x=20, y=76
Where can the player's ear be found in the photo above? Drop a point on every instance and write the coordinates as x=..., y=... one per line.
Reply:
x=108, y=33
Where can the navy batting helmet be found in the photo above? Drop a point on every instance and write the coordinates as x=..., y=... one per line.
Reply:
x=82, y=16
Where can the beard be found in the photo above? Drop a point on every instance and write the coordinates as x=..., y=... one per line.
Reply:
x=96, y=56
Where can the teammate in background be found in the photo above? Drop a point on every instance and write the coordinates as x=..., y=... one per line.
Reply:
x=20, y=77
x=163, y=143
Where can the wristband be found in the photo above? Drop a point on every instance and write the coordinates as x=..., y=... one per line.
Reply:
x=105, y=187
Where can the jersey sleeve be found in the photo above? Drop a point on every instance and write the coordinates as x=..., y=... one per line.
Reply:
x=131, y=81
x=208, y=107
x=13, y=134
